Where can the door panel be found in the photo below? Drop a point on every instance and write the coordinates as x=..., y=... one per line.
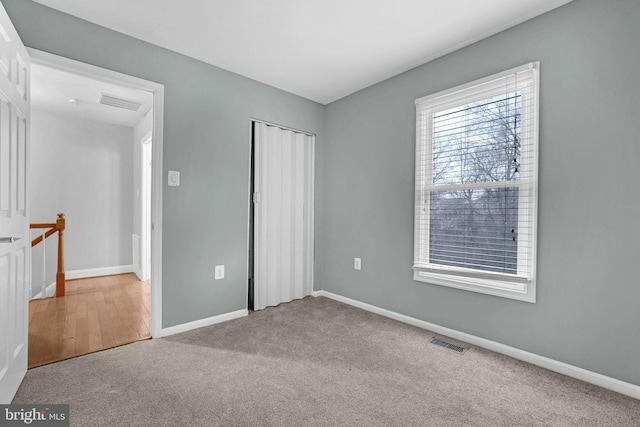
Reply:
x=21, y=311
x=5, y=157
x=21, y=165
x=21, y=75
x=4, y=311
x=283, y=215
x=14, y=214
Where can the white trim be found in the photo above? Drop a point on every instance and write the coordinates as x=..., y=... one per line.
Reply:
x=100, y=271
x=156, y=211
x=49, y=292
x=135, y=245
x=86, y=273
x=144, y=248
x=147, y=138
x=600, y=380
x=253, y=119
x=157, y=89
x=496, y=287
x=249, y=210
x=184, y=327
x=524, y=78
x=312, y=215
x=441, y=99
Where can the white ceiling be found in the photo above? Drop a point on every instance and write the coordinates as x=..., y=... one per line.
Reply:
x=322, y=50
x=52, y=90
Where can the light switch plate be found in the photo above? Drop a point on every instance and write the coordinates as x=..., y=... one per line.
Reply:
x=357, y=263
x=174, y=178
x=219, y=274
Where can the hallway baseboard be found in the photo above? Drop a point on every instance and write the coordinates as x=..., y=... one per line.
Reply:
x=84, y=274
x=49, y=292
x=100, y=271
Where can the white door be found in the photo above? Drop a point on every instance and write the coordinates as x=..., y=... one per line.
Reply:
x=283, y=215
x=14, y=216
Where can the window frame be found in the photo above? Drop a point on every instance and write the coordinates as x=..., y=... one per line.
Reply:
x=521, y=286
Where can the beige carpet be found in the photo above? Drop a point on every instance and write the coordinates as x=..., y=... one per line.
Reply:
x=316, y=362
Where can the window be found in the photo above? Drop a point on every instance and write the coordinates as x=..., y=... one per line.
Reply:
x=476, y=185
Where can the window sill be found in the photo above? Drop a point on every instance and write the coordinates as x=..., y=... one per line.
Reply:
x=501, y=288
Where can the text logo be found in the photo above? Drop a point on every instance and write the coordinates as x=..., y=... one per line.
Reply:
x=34, y=415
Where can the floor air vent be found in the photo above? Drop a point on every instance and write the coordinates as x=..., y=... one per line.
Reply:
x=448, y=345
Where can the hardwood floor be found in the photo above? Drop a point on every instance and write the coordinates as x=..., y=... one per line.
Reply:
x=95, y=314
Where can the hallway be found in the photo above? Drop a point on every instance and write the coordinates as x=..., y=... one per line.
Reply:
x=96, y=314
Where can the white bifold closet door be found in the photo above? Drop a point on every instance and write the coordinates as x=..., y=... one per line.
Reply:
x=283, y=215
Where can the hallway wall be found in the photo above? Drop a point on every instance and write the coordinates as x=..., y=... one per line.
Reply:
x=84, y=169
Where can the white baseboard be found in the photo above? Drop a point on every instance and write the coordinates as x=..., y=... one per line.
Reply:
x=83, y=274
x=164, y=332
x=622, y=387
x=101, y=271
x=49, y=291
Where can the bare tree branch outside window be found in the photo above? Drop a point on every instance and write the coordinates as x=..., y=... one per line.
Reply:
x=473, y=144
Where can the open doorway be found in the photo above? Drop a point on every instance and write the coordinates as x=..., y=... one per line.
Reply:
x=108, y=108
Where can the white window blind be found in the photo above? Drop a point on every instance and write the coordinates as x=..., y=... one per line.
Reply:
x=476, y=185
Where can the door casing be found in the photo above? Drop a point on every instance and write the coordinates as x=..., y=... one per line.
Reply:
x=157, y=90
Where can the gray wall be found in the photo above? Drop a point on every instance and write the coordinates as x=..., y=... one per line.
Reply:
x=84, y=169
x=589, y=242
x=588, y=307
x=206, y=138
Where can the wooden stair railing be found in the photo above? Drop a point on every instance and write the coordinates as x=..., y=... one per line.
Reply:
x=54, y=227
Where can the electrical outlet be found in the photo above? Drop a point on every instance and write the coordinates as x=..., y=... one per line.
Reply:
x=357, y=263
x=219, y=274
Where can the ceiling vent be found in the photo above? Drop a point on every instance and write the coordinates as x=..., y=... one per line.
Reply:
x=115, y=101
